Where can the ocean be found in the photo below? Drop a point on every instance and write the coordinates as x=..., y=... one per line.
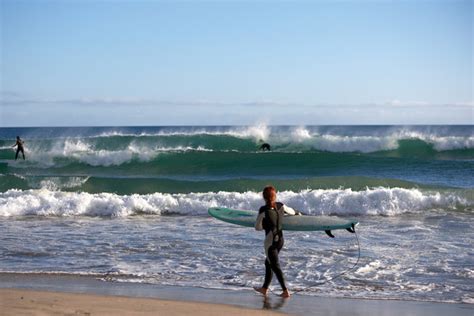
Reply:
x=129, y=204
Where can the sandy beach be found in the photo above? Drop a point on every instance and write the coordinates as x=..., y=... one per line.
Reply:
x=29, y=302
x=43, y=294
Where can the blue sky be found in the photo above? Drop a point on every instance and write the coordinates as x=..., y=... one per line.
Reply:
x=69, y=63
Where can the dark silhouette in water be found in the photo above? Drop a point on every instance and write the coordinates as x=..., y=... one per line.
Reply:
x=19, y=143
x=265, y=146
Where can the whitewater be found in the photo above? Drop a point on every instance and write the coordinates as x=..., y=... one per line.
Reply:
x=129, y=204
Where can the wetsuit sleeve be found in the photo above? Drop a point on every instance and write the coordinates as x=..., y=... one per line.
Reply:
x=259, y=222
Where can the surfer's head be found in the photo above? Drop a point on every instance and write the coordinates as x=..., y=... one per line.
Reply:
x=269, y=195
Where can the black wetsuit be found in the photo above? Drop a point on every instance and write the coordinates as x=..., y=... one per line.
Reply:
x=273, y=243
x=265, y=146
x=19, y=148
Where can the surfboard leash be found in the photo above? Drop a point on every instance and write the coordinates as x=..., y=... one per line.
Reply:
x=333, y=278
x=338, y=275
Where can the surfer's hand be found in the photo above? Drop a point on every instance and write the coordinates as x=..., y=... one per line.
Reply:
x=298, y=213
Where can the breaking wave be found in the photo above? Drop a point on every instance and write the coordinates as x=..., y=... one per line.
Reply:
x=376, y=201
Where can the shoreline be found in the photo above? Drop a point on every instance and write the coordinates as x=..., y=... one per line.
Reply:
x=65, y=291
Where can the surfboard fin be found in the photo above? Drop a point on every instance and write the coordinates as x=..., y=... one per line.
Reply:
x=351, y=229
x=328, y=232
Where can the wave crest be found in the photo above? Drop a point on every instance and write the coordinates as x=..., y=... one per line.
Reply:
x=369, y=143
x=347, y=139
x=378, y=201
x=81, y=151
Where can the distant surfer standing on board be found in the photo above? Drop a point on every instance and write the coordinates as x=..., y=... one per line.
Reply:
x=270, y=218
x=19, y=143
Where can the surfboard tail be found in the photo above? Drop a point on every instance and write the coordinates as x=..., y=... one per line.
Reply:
x=349, y=229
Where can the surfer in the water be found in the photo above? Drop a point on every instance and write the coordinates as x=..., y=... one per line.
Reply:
x=19, y=143
x=270, y=218
x=265, y=146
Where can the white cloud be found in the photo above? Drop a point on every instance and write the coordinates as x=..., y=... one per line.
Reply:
x=13, y=98
x=397, y=102
x=148, y=111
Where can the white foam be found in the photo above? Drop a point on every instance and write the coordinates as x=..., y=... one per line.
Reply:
x=337, y=142
x=259, y=131
x=369, y=268
x=365, y=144
x=333, y=140
x=84, y=152
x=389, y=141
x=182, y=149
x=468, y=299
x=300, y=134
x=448, y=142
x=56, y=183
x=379, y=201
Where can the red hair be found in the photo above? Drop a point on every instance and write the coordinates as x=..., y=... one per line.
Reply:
x=269, y=195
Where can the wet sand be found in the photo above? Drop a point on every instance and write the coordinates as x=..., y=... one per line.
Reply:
x=30, y=302
x=46, y=294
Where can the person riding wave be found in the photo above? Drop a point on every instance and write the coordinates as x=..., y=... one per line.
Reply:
x=265, y=147
x=19, y=143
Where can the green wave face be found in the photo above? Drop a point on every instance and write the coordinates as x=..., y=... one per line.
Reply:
x=137, y=157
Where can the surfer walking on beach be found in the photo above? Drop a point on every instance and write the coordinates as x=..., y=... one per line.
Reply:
x=19, y=143
x=270, y=218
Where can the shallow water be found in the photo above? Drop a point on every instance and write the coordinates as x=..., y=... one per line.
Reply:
x=415, y=257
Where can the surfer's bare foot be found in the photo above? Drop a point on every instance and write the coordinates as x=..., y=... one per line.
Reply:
x=261, y=290
x=285, y=294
